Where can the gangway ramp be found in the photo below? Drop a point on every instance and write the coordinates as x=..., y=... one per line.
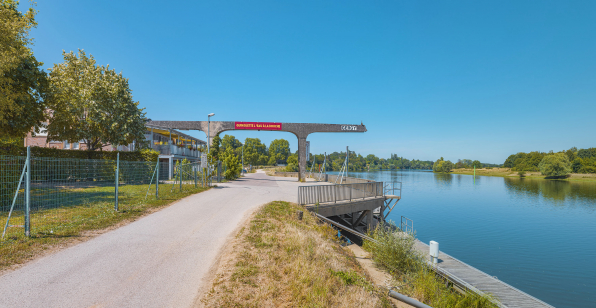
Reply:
x=468, y=278
x=358, y=200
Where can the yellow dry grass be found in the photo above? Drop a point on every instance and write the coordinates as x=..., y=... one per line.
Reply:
x=506, y=172
x=280, y=261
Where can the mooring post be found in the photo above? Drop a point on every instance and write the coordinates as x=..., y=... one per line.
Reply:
x=117, y=180
x=28, y=194
x=157, y=181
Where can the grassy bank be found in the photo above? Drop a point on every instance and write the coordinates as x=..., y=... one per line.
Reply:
x=51, y=228
x=395, y=253
x=506, y=172
x=280, y=261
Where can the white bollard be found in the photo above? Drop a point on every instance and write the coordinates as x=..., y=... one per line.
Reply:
x=434, y=252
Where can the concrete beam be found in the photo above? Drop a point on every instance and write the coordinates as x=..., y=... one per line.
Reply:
x=301, y=130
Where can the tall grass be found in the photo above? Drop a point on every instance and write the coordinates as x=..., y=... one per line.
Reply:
x=280, y=261
x=395, y=252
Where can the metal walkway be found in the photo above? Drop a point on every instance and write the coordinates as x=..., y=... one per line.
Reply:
x=467, y=277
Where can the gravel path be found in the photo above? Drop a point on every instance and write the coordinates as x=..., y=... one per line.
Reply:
x=160, y=260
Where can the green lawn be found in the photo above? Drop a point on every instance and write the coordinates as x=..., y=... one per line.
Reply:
x=81, y=210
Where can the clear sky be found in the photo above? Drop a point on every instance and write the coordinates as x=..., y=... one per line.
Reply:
x=458, y=79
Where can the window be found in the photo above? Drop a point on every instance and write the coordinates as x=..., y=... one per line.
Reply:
x=75, y=146
x=66, y=145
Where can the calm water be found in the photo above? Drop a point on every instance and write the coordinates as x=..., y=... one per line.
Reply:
x=537, y=235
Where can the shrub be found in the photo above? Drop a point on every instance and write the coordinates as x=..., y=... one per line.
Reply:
x=556, y=164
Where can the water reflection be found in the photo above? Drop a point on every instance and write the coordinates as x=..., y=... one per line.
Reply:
x=443, y=179
x=557, y=191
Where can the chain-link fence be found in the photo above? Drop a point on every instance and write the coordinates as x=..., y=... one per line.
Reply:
x=37, y=190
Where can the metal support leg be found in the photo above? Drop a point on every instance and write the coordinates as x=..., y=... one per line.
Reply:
x=157, y=182
x=369, y=220
x=359, y=218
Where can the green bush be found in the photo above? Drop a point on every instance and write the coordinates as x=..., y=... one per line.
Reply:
x=556, y=164
x=443, y=166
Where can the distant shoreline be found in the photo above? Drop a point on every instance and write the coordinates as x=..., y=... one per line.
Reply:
x=506, y=172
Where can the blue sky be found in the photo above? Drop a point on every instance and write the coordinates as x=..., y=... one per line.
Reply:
x=458, y=79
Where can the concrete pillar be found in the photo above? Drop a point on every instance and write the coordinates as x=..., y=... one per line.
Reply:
x=171, y=165
x=301, y=158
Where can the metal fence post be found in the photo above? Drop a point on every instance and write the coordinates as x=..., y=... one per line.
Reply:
x=195, y=169
x=117, y=181
x=28, y=194
x=157, y=181
x=180, y=175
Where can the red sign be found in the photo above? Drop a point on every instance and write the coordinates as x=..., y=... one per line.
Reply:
x=257, y=125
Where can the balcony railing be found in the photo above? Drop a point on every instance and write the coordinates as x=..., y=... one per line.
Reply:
x=170, y=149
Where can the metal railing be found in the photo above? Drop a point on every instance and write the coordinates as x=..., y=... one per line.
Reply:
x=344, y=192
x=170, y=149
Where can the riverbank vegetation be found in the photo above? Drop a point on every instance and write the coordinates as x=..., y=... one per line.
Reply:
x=581, y=160
x=395, y=252
x=278, y=260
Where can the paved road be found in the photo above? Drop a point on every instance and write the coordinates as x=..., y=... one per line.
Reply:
x=157, y=261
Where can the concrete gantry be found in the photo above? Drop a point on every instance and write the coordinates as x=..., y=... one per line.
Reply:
x=301, y=130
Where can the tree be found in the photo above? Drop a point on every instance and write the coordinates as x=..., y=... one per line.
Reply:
x=214, y=148
x=253, y=150
x=509, y=161
x=23, y=84
x=442, y=165
x=93, y=104
x=232, y=164
x=279, y=149
x=292, y=163
x=476, y=164
x=230, y=142
x=556, y=164
x=576, y=165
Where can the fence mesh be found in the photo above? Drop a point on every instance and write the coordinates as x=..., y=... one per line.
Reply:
x=69, y=191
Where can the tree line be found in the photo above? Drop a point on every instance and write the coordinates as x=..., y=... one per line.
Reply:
x=78, y=100
x=576, y=160
x=229, y=150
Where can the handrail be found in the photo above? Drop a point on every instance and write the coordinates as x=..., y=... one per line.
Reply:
x=343, y=192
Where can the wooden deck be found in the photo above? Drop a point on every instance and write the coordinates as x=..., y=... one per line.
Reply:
x=465, y=276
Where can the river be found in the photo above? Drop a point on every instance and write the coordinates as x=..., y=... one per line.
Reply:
x=537, y=235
